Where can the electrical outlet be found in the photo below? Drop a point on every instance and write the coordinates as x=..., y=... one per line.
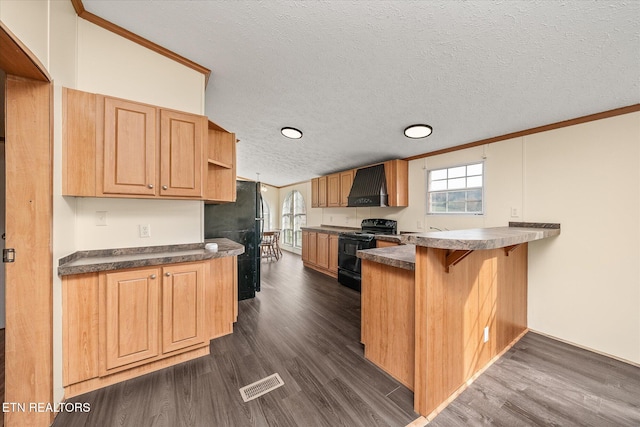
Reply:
x=486, y=333
x=145, y=230
x=515, y=212
x=419, y=225
x=101, y=218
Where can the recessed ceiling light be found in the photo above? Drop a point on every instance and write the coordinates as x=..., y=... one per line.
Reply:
x=292, y=133
x=418, y=131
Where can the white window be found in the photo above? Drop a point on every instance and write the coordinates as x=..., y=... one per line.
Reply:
x=294, y=216
x=456, y=190
x=266, y=215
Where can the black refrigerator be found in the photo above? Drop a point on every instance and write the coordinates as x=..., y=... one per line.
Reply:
x=242, y=222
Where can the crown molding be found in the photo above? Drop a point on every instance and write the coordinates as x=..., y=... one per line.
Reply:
x=110, y=26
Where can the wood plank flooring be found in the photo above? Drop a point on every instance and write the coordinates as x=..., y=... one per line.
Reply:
x=305, y=326
x=544, y=382
x=302, y=325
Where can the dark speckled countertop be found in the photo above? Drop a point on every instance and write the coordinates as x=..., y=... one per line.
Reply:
x=329, y=229
x=118, y=259
x=484, y=238
x=401, y=256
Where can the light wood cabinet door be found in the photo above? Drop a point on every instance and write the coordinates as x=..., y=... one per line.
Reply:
x=183, y=298
x=129, y=316
x=312, y=245
x=333, y=190
x=129, y=148
x=305, y=246
x=323, y=250
x=314, y=192
x=181, y=150
x=333, y=253
x=322, y=192
x=397, y=177
x=346, y=180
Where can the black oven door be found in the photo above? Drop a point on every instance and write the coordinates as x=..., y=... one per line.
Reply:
x=348, y=245
x=347, y=259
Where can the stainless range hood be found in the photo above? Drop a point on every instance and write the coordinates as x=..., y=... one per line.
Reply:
x=369, y=187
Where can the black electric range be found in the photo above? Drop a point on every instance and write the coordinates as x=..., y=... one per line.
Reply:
x=349, y=265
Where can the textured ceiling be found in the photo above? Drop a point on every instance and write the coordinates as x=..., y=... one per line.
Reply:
x=353, y=74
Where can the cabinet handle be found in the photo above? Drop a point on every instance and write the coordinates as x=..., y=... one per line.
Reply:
x=153, y=276
x=167, y=274
x=150, y=185
x=164, y=187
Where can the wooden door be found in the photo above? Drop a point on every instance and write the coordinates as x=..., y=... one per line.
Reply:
x=182, y=137
x=346, y=180
x=333, y=190
x=129, y=313
x=28, y=280
x=183, y=296
x=333, y=253
x=322, y=192
x=323, y=250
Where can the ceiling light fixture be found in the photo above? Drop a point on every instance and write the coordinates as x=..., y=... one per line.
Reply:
x=418, y=131
x=292, y=133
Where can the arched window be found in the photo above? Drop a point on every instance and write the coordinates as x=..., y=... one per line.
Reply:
x=294, y=216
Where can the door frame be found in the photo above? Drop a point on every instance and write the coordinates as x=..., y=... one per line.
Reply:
x=29, y=219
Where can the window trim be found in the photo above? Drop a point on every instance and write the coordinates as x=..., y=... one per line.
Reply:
x=428, y=192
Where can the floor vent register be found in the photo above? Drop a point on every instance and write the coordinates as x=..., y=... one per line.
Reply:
x=261, y=387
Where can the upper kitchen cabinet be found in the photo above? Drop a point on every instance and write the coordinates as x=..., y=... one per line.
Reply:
x=221, y=165
x=120, y=148
x=346, y=179
x=333, y=190
x=338, y=188
x=397, y=178
x=319, y=192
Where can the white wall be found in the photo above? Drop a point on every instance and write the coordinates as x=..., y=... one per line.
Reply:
x=584, y=285
x=28, y=20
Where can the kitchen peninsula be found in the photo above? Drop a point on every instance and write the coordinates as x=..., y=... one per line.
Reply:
x=468, y=292
x=131, y=311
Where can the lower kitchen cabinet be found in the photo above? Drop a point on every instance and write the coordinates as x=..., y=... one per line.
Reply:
x=125, y=323
x=320, y=252
x=129, y=316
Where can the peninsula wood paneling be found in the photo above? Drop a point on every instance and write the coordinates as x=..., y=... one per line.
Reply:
x=388, y=321
x=485, y=289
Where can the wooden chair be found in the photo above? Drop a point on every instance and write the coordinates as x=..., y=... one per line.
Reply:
x=269, y=246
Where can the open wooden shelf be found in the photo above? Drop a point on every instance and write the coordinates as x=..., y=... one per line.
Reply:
x=219, y=163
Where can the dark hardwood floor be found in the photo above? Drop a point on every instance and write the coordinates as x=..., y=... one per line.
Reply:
x=545, y=382
x=302, y=325
x=306, y=327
